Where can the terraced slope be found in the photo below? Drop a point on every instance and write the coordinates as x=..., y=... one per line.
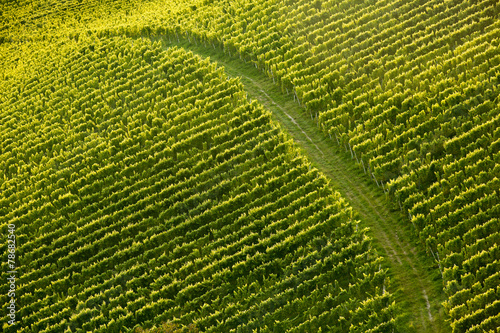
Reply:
x=144, y=188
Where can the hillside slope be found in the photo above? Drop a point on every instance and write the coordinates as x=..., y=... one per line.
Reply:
x=415, y=279
x=144, y=188
x=409, y=88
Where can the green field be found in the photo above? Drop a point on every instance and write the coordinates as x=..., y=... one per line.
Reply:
x=251, y=166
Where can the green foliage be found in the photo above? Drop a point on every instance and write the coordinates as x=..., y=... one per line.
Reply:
x=169, y=328
x=417, y=113
x=172, y=198
x=109, y=138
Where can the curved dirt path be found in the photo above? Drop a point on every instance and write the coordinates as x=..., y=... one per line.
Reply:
x=415, y=278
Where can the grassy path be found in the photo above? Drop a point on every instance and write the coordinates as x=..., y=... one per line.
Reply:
x=415, y=279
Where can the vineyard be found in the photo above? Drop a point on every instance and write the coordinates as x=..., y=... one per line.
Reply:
x=146, y=187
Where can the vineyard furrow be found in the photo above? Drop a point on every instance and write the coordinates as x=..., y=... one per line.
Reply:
x=292, y=119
